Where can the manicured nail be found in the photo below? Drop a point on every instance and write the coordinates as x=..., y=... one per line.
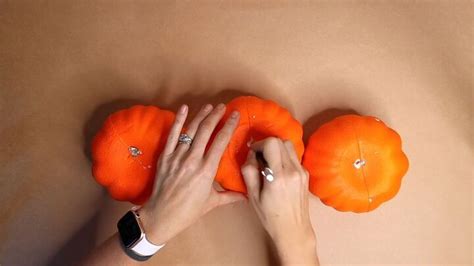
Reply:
x=207, y=108
x=220, y=106
x=183, y=108
x=234, y=114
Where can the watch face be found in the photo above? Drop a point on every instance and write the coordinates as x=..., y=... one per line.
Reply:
x=129, y=229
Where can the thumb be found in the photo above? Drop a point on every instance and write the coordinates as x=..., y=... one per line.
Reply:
x=227, y=197
x=220, y=198
x=251, y=175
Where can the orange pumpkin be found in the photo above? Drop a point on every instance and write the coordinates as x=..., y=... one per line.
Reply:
x=126, y=149
x=355, y=162
x=259, y=119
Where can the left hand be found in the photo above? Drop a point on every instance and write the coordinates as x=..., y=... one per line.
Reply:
x=183, y=189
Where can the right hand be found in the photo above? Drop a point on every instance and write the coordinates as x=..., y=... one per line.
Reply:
x=282, y=205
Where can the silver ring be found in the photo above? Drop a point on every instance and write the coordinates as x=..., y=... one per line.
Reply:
x=268, y=174
x=184, y=138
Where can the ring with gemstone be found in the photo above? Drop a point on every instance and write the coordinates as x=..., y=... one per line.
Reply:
x=268, y=174
x=184, y=138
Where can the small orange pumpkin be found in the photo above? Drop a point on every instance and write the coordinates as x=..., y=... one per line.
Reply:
x=355, y=163
x=259, y=119
x=126, y=149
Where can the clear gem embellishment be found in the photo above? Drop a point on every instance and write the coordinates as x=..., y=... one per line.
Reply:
x=134, y=151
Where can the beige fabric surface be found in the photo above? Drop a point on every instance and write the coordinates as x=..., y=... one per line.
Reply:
x=66, y=65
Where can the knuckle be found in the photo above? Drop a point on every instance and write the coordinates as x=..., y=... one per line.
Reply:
x=306, y=173
x=222, y=138
x=272, y=139
x=180, y=118
x=217, y=151
x=231, y=122
x=293, y=174
x=208, y=167
x=185, y=168
x=278, y=182
x=213, y=115
x=306, y=179
x=208, y=132
x=202, y=113
x=200, y=118
x=207, y=124
x=211, y=164
x=218, y=146
x=273, y=142
x=174, y=165
x=228, y=128
x=289, y=143
x=190, y=160
x=246, y=168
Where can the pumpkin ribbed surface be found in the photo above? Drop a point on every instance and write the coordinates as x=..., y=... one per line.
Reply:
x=355, y=162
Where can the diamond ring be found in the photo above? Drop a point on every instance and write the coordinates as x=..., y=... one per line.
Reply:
x=184, y=138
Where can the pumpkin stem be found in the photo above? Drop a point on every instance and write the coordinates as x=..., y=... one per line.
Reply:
x=359, y=163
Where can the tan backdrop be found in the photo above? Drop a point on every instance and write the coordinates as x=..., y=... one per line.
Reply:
x=66, y=65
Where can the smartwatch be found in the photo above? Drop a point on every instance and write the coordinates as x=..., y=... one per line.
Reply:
x=133, y=236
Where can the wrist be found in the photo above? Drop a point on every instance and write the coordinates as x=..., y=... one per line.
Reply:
x=297, y=247
x=290, y=234
x=153, y=228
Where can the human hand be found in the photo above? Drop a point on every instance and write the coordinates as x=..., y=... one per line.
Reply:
x=282, y=205
x=183, y=189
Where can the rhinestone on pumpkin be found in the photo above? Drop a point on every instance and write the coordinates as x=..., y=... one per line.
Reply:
x=359, y=163
x=134, y=151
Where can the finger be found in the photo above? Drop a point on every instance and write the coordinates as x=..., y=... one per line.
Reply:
x=292, y=152
x=286, y=159
x=270, y=147
x=176, y=130
x=193, y=126
x=222, y=139
x=251, y=175
x=205, y=130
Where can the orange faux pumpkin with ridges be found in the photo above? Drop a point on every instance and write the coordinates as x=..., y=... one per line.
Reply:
x=126, y=149
x=259, y=119
x=355, y=163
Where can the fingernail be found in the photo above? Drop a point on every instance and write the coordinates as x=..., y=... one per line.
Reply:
x=208, y=107
x=249, y=143
x=220, y=106
x=183, y=108
x=234, y=114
